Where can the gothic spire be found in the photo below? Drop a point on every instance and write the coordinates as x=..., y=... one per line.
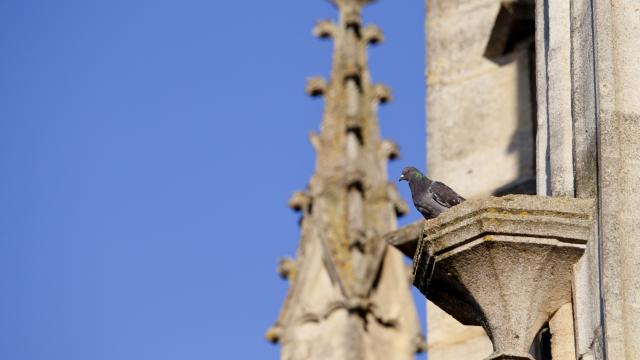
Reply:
x=349, y=298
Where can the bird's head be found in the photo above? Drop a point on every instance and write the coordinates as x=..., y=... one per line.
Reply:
x=409, y=172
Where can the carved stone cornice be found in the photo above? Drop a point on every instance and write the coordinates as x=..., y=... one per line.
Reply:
x=504, y=263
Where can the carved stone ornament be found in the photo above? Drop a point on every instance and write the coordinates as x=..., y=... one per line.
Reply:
x=504, y=263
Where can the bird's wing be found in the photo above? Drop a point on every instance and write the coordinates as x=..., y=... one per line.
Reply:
x=444, y=195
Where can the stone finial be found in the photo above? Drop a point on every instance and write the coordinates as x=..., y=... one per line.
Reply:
x=316, y=86
x=287, y=268
x=324, y=29
x=389, y=150
x=504, y=263
x=382, y=93
x=299, y=201
x=372, y=34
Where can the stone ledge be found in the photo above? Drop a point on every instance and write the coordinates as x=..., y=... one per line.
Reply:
x=538, y=216
x=406, y=238
x=503, y=263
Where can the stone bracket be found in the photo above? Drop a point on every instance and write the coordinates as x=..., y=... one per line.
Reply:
x=503, y=263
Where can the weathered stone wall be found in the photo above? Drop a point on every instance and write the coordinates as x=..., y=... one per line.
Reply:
x=480, y=123
x=480, y=128
x=589, y=89
x=617, y=31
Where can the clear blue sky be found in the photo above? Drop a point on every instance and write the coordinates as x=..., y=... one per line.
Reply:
x=147, y=152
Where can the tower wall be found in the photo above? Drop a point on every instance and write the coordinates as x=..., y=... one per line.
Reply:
x=480, y=122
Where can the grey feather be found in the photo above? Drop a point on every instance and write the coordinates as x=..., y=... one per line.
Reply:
x=429, y=197
x=444, y=195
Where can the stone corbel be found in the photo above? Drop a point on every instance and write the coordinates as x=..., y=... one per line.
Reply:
x=504, y=263
x=324, y=29
x=372, y=35
x=316, y=86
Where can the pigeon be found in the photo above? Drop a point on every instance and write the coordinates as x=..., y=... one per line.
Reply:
x=429, y=197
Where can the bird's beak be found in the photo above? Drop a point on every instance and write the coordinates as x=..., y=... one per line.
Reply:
x=402, y=178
